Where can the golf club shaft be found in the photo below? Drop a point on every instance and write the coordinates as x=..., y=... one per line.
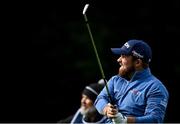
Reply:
x=98, y=59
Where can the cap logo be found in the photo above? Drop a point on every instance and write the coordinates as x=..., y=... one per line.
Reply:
x=126, y=45
x=137, y=54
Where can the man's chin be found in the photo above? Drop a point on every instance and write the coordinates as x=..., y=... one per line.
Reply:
x=83, y=110
x=122, y=73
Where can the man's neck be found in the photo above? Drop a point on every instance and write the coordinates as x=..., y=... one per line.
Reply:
x=130, y=76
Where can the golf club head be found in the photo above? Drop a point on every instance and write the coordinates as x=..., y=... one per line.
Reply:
x=85, y=8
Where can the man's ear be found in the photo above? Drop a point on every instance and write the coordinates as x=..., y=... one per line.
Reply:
x=138, y=63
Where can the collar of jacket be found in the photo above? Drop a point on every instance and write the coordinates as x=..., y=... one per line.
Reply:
x=141, y=74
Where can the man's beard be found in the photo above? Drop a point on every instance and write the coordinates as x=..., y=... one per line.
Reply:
x=83, y=110
x=126, y=72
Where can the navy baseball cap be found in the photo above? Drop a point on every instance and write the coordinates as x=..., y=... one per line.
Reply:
x=137, y=48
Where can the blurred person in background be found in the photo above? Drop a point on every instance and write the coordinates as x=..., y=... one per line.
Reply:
x=87, y=113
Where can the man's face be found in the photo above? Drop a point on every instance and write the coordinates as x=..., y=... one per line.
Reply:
x=86, y=103
x=126, y=66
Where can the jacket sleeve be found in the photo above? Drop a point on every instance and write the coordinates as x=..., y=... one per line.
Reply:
x=157, y=100
x=103, y=99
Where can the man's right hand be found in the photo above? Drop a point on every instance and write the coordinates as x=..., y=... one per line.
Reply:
x=110, y=110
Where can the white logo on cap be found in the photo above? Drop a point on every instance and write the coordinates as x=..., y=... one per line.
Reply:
x=126, y=45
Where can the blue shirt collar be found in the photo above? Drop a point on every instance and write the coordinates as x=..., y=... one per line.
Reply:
x=141, y=74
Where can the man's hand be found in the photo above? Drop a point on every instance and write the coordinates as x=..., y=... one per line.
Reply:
x=119, y=118
x=110, y=111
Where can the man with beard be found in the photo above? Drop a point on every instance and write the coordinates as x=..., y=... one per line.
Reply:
x=87, y=113
x=137, y=95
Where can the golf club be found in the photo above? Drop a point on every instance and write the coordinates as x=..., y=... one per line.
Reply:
x=95, y=50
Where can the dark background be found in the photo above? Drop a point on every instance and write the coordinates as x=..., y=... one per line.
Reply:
x=47, y=56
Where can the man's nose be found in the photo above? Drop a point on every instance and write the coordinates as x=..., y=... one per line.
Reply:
x=82, y=100
x=119, y=60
